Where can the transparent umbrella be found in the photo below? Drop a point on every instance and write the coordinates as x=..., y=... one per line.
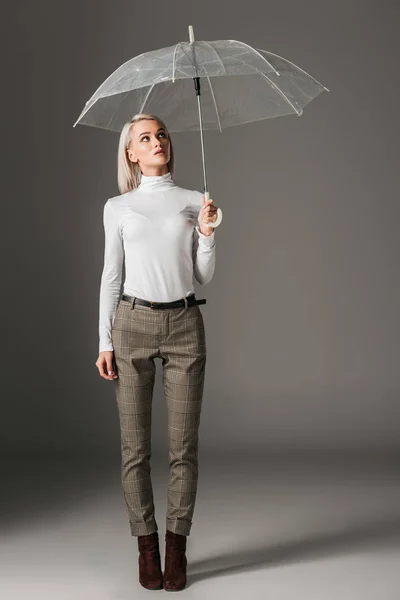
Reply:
x=237, y=84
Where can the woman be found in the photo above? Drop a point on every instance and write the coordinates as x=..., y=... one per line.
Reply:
x=159, y=232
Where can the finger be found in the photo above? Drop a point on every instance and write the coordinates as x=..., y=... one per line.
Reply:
x=110, y=369
x=102, y=371
x=103, y=368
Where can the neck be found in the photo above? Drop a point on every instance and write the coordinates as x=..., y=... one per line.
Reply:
x=152, y=182
x=156, y=171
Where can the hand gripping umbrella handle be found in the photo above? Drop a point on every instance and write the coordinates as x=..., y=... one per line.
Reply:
x=219, y=213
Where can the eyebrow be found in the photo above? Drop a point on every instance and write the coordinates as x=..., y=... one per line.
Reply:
x=159, y=129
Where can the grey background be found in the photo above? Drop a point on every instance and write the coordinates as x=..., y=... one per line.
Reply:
x=299, y=489
x=301, y=318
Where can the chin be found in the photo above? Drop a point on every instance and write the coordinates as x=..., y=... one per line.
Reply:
x=159, y=160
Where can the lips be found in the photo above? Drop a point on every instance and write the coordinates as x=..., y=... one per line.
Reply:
x=159, y=152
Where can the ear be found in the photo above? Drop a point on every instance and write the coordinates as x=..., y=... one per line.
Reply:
x=131, y=156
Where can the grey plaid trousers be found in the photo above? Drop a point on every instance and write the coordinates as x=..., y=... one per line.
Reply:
x=176, y=335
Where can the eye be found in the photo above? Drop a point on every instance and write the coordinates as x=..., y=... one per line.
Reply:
x=147, y=137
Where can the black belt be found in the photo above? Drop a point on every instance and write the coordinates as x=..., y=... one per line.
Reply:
x=184, y=302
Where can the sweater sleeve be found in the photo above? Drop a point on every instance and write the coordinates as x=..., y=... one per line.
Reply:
x=203, y=256
x=111, y=278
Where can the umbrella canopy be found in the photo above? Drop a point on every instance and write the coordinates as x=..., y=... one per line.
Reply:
x=239, y=84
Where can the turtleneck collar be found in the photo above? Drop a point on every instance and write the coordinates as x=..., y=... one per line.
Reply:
x=155, y=182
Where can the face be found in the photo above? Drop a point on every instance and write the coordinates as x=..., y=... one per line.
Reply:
x=148, y=137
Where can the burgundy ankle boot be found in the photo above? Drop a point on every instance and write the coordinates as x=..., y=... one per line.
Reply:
x=175, y=562
x=150, y=574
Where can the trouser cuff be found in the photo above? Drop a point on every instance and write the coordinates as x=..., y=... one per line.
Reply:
x=180, y=526
x=143, y=527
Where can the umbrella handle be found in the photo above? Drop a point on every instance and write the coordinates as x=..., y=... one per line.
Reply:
x=219, y=213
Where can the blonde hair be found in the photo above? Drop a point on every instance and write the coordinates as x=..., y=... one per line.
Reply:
x=128, y=172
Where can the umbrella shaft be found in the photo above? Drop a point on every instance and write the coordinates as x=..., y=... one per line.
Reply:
x=197, y=88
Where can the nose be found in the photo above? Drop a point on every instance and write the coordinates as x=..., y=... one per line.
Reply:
x=159, y=146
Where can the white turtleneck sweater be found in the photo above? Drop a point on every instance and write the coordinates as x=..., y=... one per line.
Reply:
x=153, y=232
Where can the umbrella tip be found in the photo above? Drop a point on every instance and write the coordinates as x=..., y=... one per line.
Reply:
x=191, y=34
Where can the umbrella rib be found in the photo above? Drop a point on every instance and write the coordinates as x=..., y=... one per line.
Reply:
x=147, y=97
x=215, y=104
x=188, y=57
x=115, y=110
x=173, y=62
x=218, y=56
x=256, y=51
x=299, y=112
x=211, y=87
x=297, y=67
x=86, y=107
